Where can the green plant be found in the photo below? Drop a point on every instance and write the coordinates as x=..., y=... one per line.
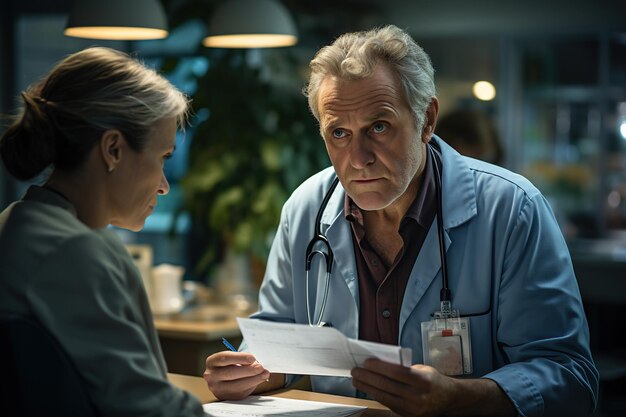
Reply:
x=257, y=144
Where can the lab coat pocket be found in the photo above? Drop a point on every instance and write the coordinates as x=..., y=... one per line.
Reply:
x=482, y=347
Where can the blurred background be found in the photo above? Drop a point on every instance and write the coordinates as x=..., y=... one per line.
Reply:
x=538, y=87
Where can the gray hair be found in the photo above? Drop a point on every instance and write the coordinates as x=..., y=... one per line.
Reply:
x=355, y=55
x=85, y=94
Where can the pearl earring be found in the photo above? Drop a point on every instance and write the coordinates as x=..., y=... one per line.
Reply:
x=111, y=168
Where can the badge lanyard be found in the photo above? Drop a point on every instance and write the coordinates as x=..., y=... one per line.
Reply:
x=446, y=343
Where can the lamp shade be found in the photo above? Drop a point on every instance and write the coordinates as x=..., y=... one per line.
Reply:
x=117, y=20
x=251, y=24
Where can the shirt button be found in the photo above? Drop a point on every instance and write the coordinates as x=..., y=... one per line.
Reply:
x=386, y=313
x=374, y=262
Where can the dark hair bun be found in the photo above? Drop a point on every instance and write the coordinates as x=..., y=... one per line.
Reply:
x=29, y=144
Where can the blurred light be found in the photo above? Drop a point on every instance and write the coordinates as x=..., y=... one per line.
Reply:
x=251, y=24
x=115, y=33
x=621, y=119
x=249, y=41
x=117, y=20
x=484, y=90
x=614, y=199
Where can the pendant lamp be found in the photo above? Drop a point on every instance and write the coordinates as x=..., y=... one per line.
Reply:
x=117, y=20
x=251, y=24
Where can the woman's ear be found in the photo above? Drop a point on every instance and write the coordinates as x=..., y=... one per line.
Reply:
x=430, y=120
x=111, y=144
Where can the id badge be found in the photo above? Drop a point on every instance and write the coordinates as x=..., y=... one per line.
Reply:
x=447, y=346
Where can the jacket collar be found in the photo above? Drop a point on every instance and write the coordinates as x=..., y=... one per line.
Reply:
x=47, y=196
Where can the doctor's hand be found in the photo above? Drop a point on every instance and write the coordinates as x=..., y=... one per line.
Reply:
x=421, y=390
x=235, y=375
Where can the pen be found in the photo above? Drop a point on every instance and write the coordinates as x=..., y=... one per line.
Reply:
x=231, y=347
x=228, y=345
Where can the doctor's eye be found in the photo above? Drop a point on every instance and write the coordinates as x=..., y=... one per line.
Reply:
x=339, y=133
x=379, y=127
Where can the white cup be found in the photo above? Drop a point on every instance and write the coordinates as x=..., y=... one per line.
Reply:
x=142, y=256
x=167, y=294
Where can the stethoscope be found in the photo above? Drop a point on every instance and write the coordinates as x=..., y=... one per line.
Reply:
x=319, y=237
x=328, y=256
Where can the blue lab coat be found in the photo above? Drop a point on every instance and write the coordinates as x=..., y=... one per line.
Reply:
x=506, y=258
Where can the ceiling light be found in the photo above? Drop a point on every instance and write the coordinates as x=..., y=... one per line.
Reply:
x=117, y=20
x=251, y=24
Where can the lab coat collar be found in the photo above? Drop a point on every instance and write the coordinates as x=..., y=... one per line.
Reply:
x=459, y=191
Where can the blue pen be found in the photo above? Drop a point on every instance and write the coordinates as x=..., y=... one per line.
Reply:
x=231, y=347
x=228, y=345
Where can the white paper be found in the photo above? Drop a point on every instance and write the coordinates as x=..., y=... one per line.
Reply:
x=256, y=406
x=304, y=350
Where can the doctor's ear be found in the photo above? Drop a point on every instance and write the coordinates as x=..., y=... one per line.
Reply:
x=111, y=148
x=430, y=120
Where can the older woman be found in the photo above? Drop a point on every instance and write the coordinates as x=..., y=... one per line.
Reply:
x=103, y=124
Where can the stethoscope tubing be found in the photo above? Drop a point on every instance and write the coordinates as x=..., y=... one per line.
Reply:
x=329, y=257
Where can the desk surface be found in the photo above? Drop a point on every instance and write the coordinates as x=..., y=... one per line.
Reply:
x=197, y=386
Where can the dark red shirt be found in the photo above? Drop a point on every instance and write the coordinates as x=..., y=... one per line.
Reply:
x=381, y=288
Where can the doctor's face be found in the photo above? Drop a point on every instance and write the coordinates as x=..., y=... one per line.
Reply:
x=371, y=138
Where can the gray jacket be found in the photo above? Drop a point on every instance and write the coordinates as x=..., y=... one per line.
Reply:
x=82, y=286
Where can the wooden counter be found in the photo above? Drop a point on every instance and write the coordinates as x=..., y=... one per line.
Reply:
x=188, y=338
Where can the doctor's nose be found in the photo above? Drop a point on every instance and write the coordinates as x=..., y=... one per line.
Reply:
x=361, y=153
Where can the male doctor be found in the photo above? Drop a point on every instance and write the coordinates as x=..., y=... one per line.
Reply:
x=503, y=334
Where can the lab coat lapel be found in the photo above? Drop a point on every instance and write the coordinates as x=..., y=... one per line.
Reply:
x=426, y=268
x=459, y=206
x=339, y=236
